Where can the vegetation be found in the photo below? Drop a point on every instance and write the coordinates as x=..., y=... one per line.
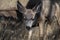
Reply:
x=12, y=25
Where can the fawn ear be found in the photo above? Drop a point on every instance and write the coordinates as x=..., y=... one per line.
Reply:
x=37, y=7
x=20, y=7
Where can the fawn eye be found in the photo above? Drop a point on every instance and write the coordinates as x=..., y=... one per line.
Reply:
x=32, y=19
x=25, y=18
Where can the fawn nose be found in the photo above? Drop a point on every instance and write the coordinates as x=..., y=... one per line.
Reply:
x=29, y=24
